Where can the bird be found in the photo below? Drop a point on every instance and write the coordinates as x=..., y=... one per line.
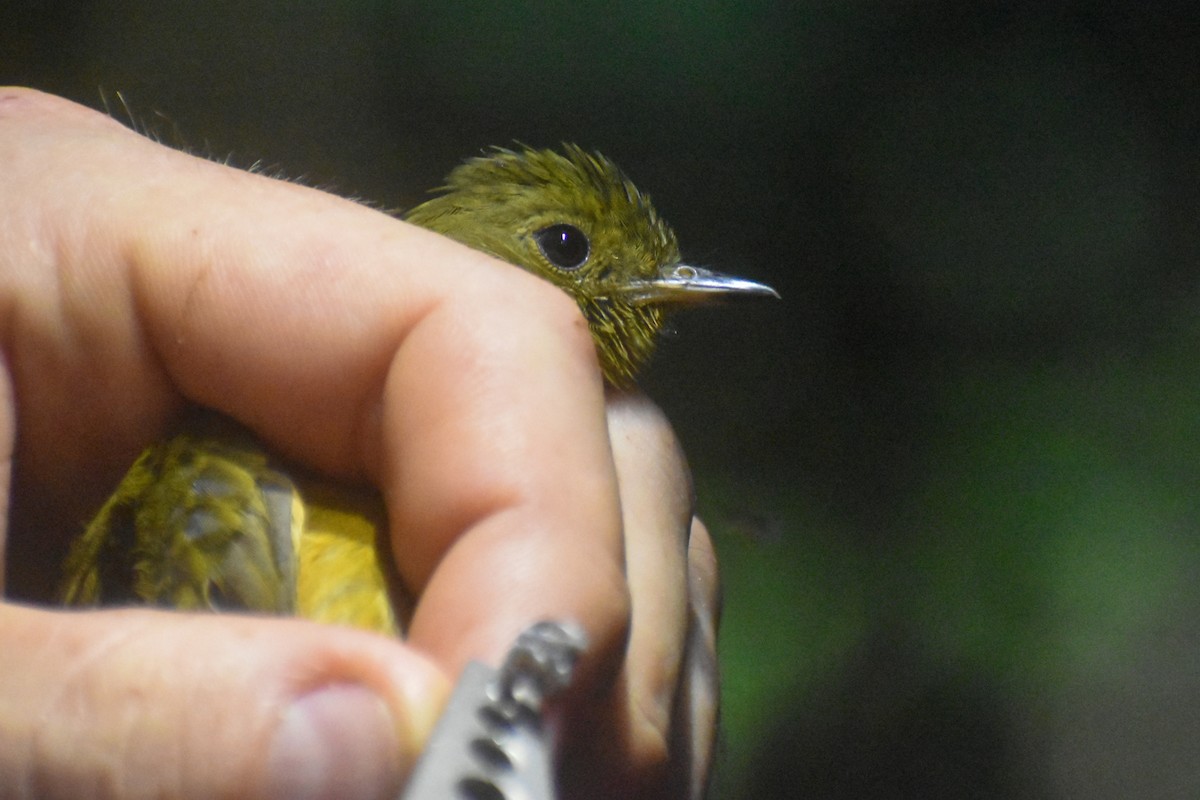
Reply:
x=209, y=519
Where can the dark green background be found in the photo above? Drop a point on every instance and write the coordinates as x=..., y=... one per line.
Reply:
x=952, y=474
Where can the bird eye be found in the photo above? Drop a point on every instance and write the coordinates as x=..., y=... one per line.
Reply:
x=564, y=246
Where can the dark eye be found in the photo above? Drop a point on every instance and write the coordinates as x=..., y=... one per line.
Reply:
x=564, y=246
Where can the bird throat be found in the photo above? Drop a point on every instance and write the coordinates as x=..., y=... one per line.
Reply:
x=624, y=334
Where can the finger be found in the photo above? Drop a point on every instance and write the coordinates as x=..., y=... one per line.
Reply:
x=629, y=751
x=465, y=388
x=8, y=435
x=695, y=723
x=139, y=704
x=505, y=471
x=656, y=502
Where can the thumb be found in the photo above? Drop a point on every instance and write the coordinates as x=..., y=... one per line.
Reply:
x=141, y=704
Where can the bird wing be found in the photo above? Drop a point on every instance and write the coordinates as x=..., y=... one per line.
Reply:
x=200, y=521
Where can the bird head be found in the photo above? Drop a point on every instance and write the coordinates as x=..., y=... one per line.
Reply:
x=574, y=219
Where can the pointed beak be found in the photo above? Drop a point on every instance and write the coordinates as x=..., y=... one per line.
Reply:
x=682, y=284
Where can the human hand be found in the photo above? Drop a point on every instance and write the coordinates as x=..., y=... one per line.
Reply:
x=135, y=280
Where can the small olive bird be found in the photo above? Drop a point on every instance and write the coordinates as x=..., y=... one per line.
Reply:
x=208, y=519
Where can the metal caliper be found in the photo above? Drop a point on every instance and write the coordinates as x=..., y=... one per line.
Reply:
x=491, y=742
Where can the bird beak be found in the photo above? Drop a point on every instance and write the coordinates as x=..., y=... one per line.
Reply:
x=682, y=284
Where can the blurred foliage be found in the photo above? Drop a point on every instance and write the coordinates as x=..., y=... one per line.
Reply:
x=951, y=475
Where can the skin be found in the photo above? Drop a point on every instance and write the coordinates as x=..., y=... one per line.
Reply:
x=152, y=279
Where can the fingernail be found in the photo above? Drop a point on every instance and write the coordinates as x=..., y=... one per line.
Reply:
x=337, y=742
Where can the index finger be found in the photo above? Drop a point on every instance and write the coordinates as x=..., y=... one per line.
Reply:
x=464, y=388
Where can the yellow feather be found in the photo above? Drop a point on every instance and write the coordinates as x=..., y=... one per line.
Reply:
x=340, y=579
